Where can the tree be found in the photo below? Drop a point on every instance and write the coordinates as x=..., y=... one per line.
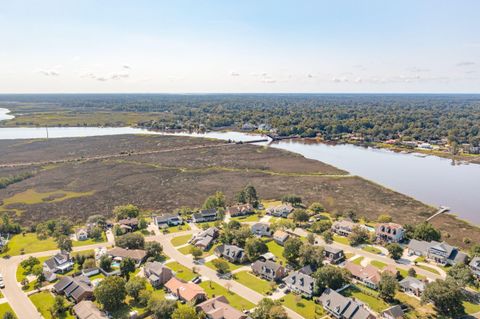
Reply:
x=475, y=250
x=291, y=250
x=154, y=250
x=215, y=201
x=142, y=223
x=332, y=277
x=248, y=195
x=412, y=272
x=8, y=315
x=106, y=263
x=254, y=248
x=161, y=308
x=196, y=252
x=127, y=266
x=144, y=297
x=300, y=216
x=28, y=263
x=126, y=211
x=311, y=255
x=446, y=296
x=110, y=292
x=358, y=236
x=384, y=218
x=425, y=231
x=134, y=286
x=64, y=243
x=316, y=207
x=95, y=233
x=98, y=220
x=59, y=308
x=321, y=226
x=269, y=309
x=131, y=241
x=221, y=265
x=395, y=251
x=328, y=236
x=184, y=312
x=282, y=224
x=89, y=263
x=387, y=286
x=311, y=238
x=292, y=199
x=461, y=274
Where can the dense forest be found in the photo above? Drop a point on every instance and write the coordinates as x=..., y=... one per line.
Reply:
x=375, y=117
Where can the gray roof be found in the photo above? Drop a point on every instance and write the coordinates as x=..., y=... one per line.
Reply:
x=88, y=310
x=62, y=283
x=419, y=245
x=340, y=305
x=300, y=281
x=332, y=250
x=412, y=283
x=231, y=251
x=260, y=227
x=73, y=286
x=165, y=217
x=260, y=266
x=475, y=262
x=395, y=311
x=155, y=267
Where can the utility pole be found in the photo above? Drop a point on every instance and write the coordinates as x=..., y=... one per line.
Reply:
x=46, y=128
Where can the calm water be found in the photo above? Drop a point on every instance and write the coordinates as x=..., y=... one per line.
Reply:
x=430, y=179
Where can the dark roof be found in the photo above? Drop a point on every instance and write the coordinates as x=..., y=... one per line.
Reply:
x=307, y=270
x=340, y=305
x=262, y=266
x=395, y=311
x=231, y=251
x=300, y=281
x=137, y=254
x=63, y=283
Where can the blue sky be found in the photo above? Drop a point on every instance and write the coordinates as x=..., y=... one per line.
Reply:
x=239, y=46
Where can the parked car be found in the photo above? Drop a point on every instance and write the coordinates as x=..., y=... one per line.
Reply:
x=2, y=284
x=197, y=280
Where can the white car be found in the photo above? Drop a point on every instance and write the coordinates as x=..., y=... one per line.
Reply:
x=2, y=284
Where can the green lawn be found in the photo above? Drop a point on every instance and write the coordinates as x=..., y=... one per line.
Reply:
x=29, y=243
x=21, y=272
x=358, y=260
x=404, y=274
x=430, y=269
x=277, y=250
x=89, y=241
x=249, y=218
x=176, y=229
x=43, y=301
x=180, y=240
x=181, y=271
x=341, y=239
x=186, y=250
x=349, y=255
x=471, y=308
x=368, y=297
x=380, y=265
x=372, y=249
x=253, y=282
x=304, y=307
x=4, y=308
x=214, y=289
x=232, y=266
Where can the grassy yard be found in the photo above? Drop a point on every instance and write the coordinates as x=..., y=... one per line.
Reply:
x=253, y=282
x=380, y=265
x=29, y=243
x=214, y=289
x=341, y=239
x=372, y=249
x=368, y=297
x=186, y=250
x=232, y=266
x=277, y=250
x=404, y=274
x=471, y=308
x=180, y=240
x=430, y=269
x=181, y=271
x=417, y=309
x=4, y=308
x=304, y=307
x=349, y=255
x=249, y=218
x=358, y=260
x=176, y=229
x=43, y=301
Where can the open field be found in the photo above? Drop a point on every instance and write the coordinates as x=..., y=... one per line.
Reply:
x=246, y=278
x=182, y=174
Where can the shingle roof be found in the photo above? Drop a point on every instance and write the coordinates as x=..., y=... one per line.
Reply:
x=300, y=281
x=186, y=290
x=261, y=266
x=137, y=254
x=342, y=306
x=88, y=310
x=219, y=308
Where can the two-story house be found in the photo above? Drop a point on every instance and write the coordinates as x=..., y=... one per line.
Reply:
x=300, y=283
x=333, y=255
x=280, y=211
x=268, y=270
x=157, y=274
x=262, y=230
x=231, y=253
x=341, y=307
x=240, y=210
x=389, y=232
x=441, y=253
x=167, y=220
x=475, y=266
x=205, y=215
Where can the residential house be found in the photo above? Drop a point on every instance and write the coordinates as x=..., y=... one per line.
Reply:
x=205, y=215
x=186, y=291
x=81, y=234
x=167, y=220
x=369, y=275
x=308, y=270
x=341, y=307
x=219, y=308
x=300, y=283
x=240, y=210
x=128, y=224
x=394, y=312
x=157, y=274
x=389, y=232
x=343, y=227
x=268, y=270
x=60, y=263
x=333, y=255
x=412, y=286
x=78, y=288
x=205, y=238
x=88, y=272
x=280, y=237
x=86, y=309
x=232, y=253
x=281, y=210
x=475, y=266
x=262, y=229
x=267, y=256
x=118, y=253
x=441, y=253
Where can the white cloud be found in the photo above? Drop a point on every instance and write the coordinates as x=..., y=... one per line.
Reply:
x=234, y=74
x=466, y=63
x=49, y=72
x=126, y=66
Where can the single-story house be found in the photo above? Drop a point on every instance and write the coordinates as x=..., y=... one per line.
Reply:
x=167, y=220
x=389, y=232
x=280, y=237
x=88, y=272
x=128, y=224
x=78, y=288
x=240, y=210
x=186, y=291
x=81, y=234
x=394, y=312
x=369, y=275
x=268, y=270
x=343, y=227
x=232, y=253
x=219, y=308
x=333, y=255
x=261, y=229
x=281, y=210
x=205, y=215
x=475, y=266
x=300, y=283
x=441, y=253
x=60, y=263
x=157, y=274
x=412, y=286
x=118, y=253
x=86, y=309
x=341, y=307
x=205, y=238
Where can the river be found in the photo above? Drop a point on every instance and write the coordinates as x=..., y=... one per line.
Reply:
x=431, y=179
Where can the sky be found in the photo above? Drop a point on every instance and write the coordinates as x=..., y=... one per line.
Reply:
x=201, y=46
